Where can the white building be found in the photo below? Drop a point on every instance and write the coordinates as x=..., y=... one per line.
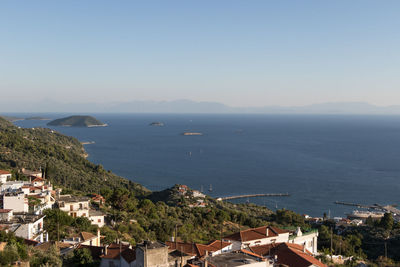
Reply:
x=80, y=207
x=27, y=226
x=75, y=206
x=307, y=239
x=96, y=217
x=15, y=201
x=10, y=186
x=84, y=238
x=4, y=176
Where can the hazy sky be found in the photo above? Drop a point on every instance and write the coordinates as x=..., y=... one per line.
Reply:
x=241, y=53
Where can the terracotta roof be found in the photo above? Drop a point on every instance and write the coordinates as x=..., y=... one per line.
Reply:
x=256, y=233
x=263, y=250
x=248, y=252
x=4, y=172
x=211, y=247
x=187, y=248
x=87, y=236
x=129, y=255
x=293, y=255
x=37, y=179
x=5, y=210
x=113, y=252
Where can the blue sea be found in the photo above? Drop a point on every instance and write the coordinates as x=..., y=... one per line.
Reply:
x=317, y=159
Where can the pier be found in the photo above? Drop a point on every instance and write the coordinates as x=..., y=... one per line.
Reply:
x=254, y=195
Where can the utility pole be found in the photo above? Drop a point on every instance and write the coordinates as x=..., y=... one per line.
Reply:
x=385, y=249
x=331, y=244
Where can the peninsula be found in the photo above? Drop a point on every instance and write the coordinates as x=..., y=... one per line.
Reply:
x=77, y=121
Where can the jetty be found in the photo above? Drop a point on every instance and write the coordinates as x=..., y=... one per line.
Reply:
x=254, y=195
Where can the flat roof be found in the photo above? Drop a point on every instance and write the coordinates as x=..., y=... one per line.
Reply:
x=232, y=259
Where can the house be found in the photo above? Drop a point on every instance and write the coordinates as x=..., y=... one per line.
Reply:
x=28, y=226
x=96, y=198
x=11, y=186
x=257, y=236
x=75, y=206
x=97, y=217
x=31, y=173
x=294, y=255
x=6, y=215
x=37, y=181
x=118, y=255
x=152, y=254
x=84, y=238
x=4, y=176
x=307, y=239
x=15, y=201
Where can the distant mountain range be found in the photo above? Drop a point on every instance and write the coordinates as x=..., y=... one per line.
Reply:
x=189, y=106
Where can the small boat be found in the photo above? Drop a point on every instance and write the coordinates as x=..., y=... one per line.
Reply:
x=156, y=123
x=192, y=133
x=210, y=189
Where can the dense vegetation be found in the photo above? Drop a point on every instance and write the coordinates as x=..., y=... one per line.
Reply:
x=76, y=121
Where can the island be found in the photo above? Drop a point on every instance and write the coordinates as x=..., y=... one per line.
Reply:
x=77, y=121
x=156, y=123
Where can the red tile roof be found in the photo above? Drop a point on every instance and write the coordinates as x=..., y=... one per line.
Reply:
x=256, y=233
x=37, y=179
x=4, y=172
x=293, y=255
x=263, y=250
x=5, y=210
x=113, y=252
x=187, y=248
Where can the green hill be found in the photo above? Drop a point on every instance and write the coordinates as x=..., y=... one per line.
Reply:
x=63, y=159
x=77, y=121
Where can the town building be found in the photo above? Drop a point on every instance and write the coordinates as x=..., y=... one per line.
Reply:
x=119, y=255
x=15, y=201
x=28, y=226
x=4, y=176
x=257, y=236
x=84, y=238
x=152, y=254
x=77, y=206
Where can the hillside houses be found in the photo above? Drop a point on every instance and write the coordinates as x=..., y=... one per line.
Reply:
x=77, y=206
x=22, y=204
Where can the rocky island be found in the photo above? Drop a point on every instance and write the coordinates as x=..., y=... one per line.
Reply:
x=77, y=121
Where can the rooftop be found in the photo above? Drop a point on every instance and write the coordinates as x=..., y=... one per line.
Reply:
x=232, y=259
x=69, y=198
x=256, y=233
x=4, y=172
x=151, y=245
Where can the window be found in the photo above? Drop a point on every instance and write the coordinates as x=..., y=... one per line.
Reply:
x=99, y=220
x=71, y=207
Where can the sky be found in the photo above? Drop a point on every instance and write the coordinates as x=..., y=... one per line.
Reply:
x=240, y=53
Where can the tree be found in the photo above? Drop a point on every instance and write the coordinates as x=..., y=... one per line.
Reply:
x=387, y=221
x=82, y=257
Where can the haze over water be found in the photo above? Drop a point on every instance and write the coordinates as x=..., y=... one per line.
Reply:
x=317, y=159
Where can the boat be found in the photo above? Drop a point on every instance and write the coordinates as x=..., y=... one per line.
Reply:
x=156, y=123
x=210, y=189
x=192, y=133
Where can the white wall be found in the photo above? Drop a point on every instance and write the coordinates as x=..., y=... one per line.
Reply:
x=17, y=203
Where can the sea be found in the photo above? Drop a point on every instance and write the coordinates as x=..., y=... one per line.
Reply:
x=317, y=159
